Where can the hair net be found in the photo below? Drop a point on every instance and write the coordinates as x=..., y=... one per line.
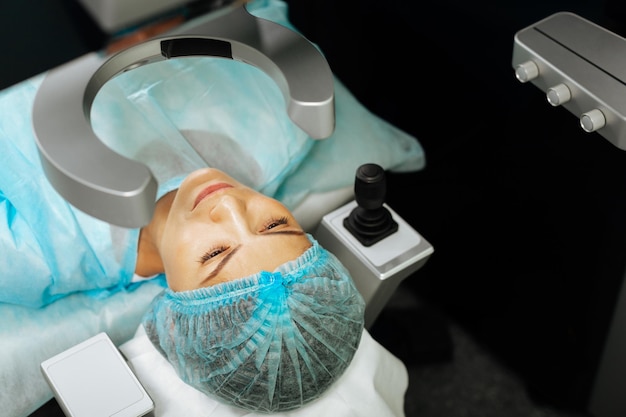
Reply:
x=269, y=342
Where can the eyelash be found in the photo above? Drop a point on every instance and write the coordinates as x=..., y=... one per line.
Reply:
x=213, y=252
x=274, y=222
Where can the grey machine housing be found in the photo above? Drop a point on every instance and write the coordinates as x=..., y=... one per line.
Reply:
x=121, y=191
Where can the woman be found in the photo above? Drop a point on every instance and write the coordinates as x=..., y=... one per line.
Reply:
x=256, y=314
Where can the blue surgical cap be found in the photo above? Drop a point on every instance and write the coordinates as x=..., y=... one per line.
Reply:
x=269, y=342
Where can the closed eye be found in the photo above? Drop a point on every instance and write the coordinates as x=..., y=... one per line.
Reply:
x=275, y=222
x=212, y=253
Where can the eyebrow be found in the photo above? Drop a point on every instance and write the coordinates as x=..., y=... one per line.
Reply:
x=220, y=266
x=228, y=257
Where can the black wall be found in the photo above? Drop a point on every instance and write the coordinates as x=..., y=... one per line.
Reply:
x=527, y=213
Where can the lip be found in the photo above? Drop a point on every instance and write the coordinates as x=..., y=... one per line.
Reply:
x=208, y=191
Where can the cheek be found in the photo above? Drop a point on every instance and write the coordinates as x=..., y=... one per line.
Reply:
x=176, y=265
x=179, y=257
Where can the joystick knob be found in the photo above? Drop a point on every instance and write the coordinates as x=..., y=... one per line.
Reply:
x=369, y=222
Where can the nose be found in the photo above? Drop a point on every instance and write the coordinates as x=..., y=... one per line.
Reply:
x=230, y=209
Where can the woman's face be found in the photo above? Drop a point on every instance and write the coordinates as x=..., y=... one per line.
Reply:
x=218, y=230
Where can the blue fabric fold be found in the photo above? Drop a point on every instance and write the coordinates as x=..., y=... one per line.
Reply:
x=49, y=249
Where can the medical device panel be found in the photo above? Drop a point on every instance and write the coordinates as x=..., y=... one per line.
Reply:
x=92, y=378
x=580, y=66
x=379, y=248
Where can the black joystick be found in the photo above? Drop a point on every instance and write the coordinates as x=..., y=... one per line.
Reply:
x=370, y=221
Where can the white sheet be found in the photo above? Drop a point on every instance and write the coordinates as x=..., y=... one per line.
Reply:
x=373, y=385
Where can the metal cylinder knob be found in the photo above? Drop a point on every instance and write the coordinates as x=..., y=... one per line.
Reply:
x=592, y=120
x=526, y=71
x=559, y=94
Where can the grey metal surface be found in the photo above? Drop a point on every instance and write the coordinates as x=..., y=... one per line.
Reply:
x=569, y=51
x=120, y=191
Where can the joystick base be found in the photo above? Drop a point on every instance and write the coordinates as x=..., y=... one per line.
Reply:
x=370, y=229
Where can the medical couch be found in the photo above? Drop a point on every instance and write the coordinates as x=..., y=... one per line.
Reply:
x=321, y=181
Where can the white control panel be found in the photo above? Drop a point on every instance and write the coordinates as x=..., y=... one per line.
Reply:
x=377, y=270
x=92, y=379
x=390, y=255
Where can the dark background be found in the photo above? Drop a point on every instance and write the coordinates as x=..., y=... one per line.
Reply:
x=527, y=213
